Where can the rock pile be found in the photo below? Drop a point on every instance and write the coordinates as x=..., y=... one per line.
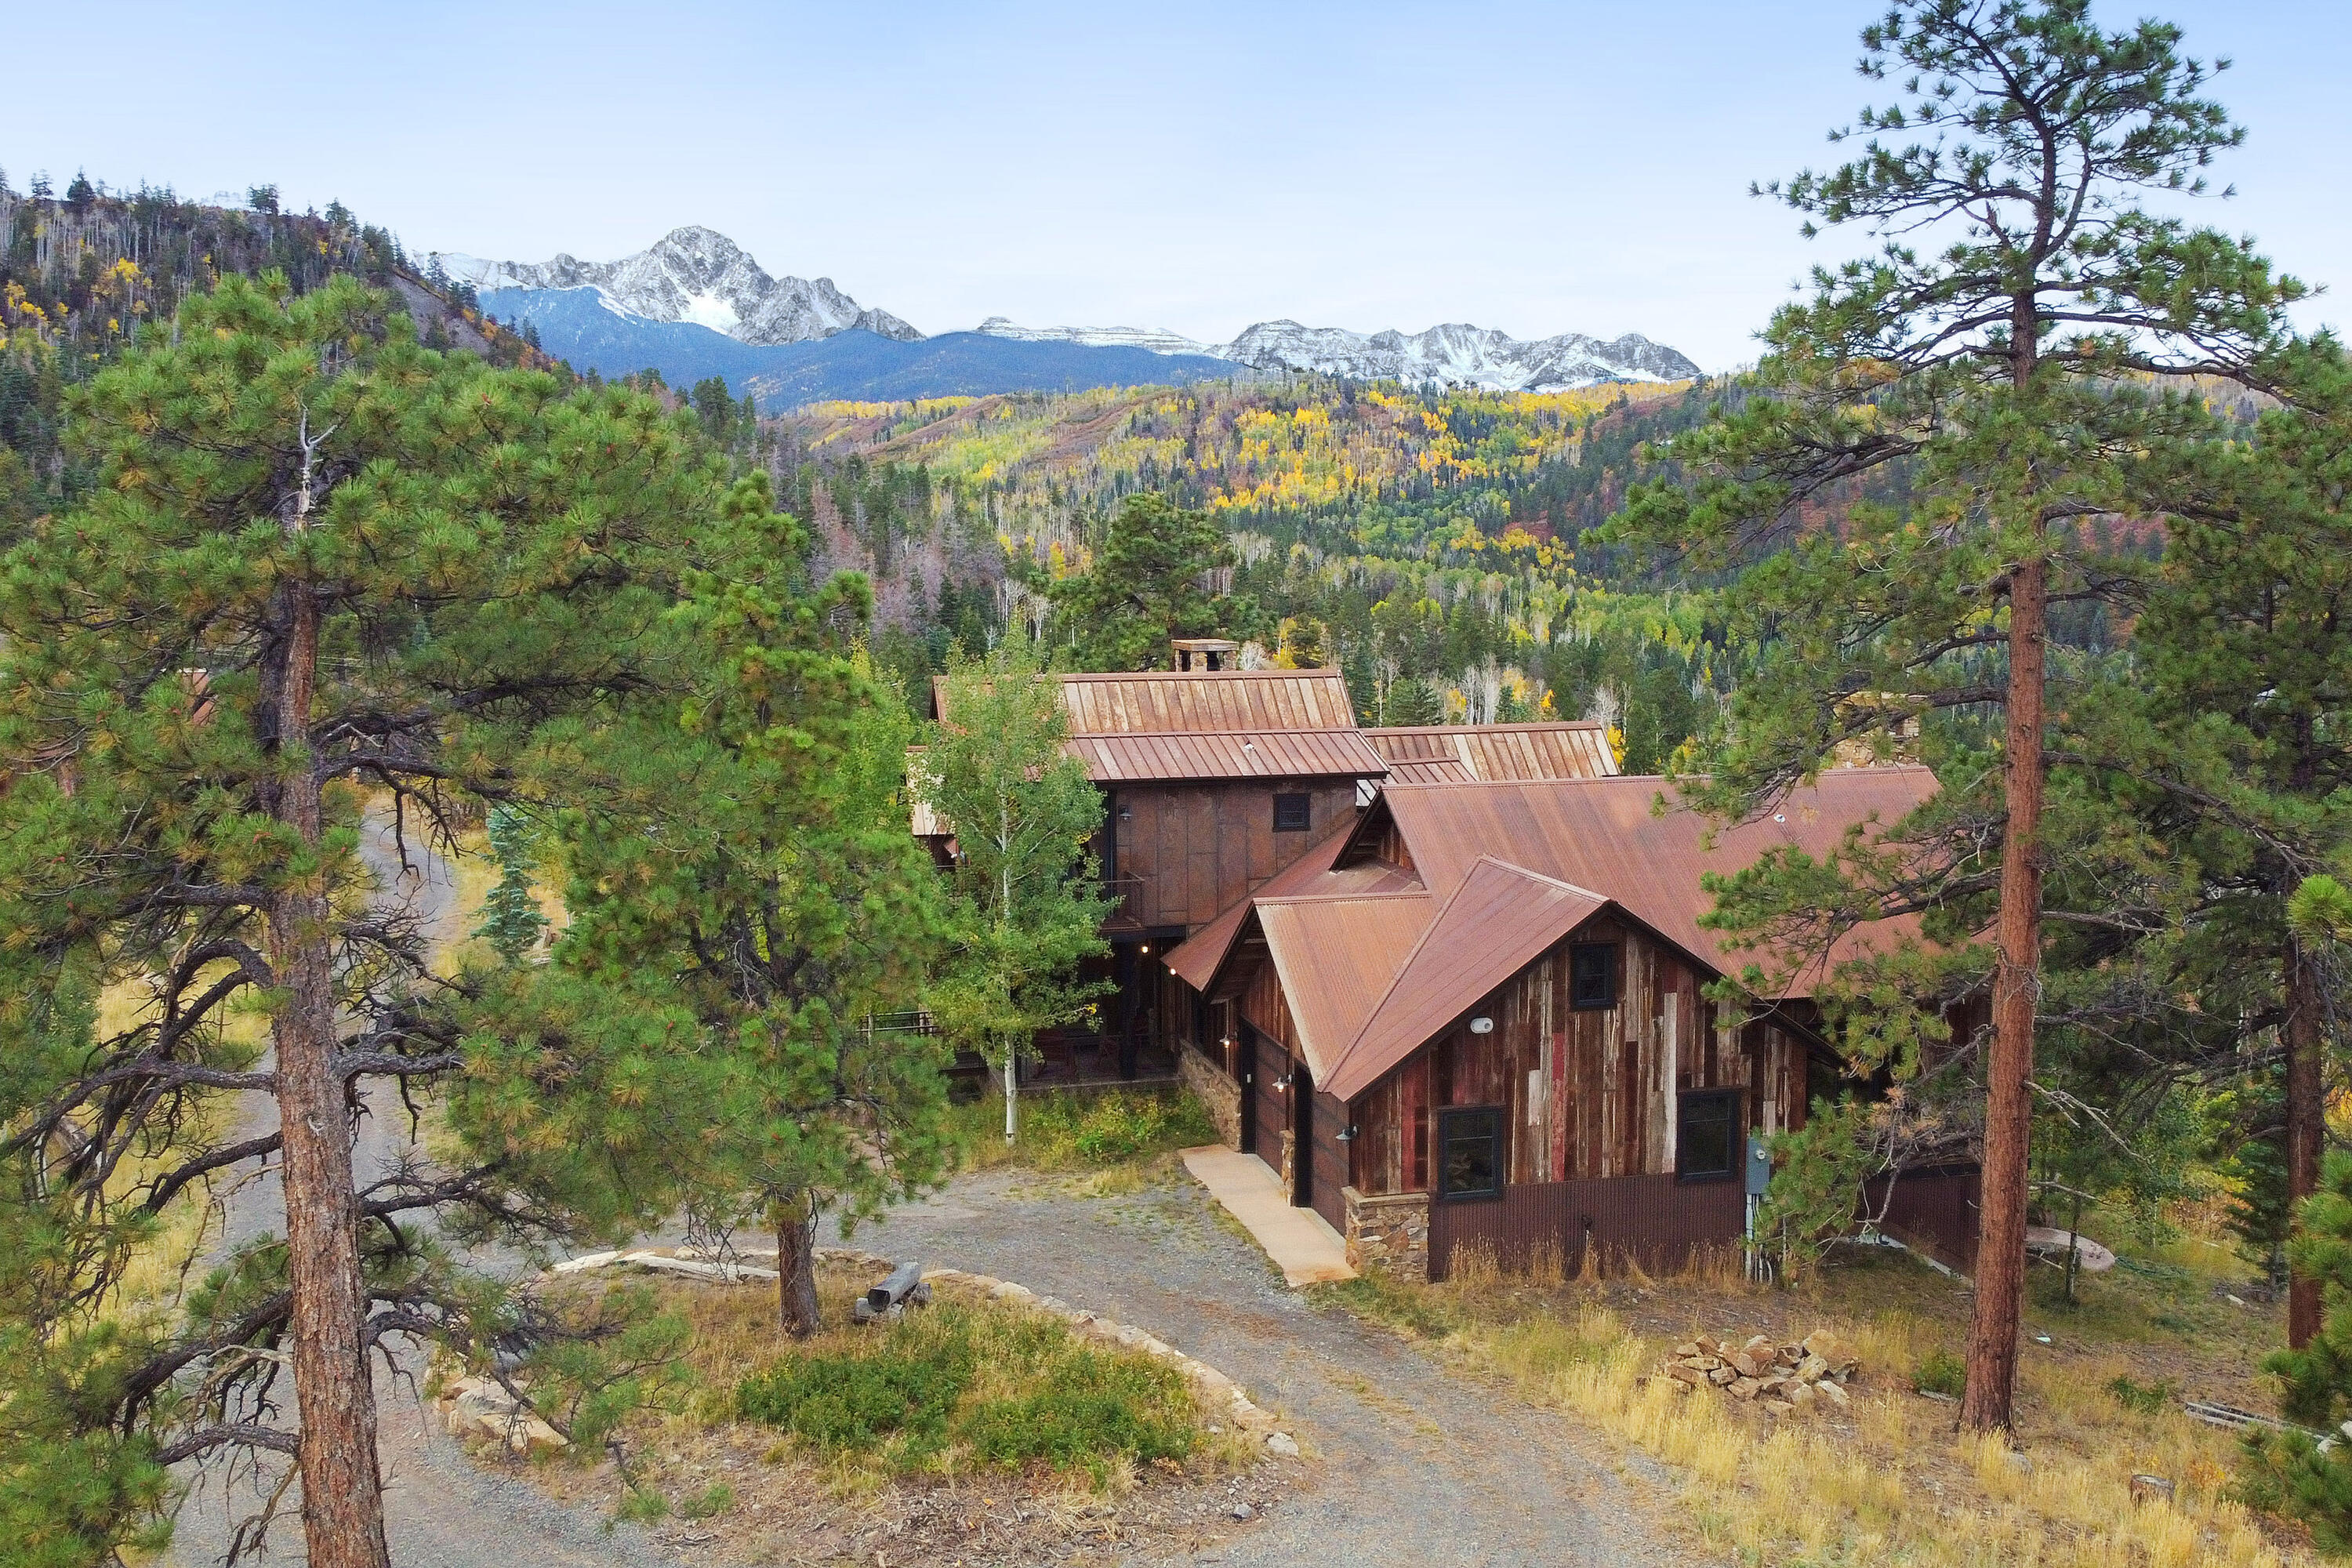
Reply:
x=479, y=1407
x=1780, y=1378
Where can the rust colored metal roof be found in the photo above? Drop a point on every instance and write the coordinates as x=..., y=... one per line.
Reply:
x=1499, y=919
x=1601, y=834
x=1429, y=770
x=1501, y=752
x=1256, y=753
x=1196, y=960
x=1159, y=726
x=1335, y=957
x=1197, y=702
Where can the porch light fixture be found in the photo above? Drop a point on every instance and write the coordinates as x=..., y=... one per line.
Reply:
x=1482, y=1025
x=1348, y=1133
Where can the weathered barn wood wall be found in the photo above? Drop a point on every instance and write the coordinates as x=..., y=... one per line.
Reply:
x=1657, y=1221
x=1189, y=851
x=1588, y=1093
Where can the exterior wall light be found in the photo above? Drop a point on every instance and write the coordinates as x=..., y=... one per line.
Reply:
x=1482, y=1025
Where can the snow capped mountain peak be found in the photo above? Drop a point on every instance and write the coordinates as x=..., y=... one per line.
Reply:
x=699, y=274
x=1457, y=354
x=1454, y=354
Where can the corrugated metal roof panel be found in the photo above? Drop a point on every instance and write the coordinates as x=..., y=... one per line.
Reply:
x=1336, y=957
x=1429, y=770
x=1252, y=754
x=1497, y=920
x=1160, y=702
x=1503, y=751
x=1602, y=834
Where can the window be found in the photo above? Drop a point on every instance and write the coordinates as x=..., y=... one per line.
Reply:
x=1592, y=974
x=1470, y=1153
x=1293, y=813
x=1707, y=1136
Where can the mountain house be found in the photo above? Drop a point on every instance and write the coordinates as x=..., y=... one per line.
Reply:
x=1450, y=982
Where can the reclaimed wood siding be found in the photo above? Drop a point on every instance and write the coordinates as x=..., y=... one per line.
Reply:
x=1588, y=1093
x=1199, y=848
x=1331, y=1173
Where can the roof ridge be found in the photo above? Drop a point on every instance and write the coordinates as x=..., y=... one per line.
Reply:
x=1436, y=918
x=1414, y=892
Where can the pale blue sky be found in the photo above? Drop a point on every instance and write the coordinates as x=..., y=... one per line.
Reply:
x=1541, y=168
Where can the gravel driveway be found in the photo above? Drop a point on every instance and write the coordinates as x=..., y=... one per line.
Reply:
x=1424, y=1466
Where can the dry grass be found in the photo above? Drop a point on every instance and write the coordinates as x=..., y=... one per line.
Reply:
x=1892, y=1479
x=755, y=1495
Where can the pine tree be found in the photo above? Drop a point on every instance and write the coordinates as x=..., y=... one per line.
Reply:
x=1144, y=588
x=2249, y=653
x=511, y=923
x=2010, y=373
x=751, y=872
x=322, y=565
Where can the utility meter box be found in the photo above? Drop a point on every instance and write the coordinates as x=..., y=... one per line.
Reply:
x=1759, y=1166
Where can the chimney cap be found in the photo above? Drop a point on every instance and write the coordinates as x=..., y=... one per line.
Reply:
x=1206, y=653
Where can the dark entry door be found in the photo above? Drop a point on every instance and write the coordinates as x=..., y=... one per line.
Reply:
x=1302, y=1143
x=1244, y=1061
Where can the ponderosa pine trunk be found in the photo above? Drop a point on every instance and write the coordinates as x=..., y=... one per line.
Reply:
x=2016, y=992
x=2307, y=1125
x=1987, y=1403
x=342, y=1503
x=796, y=1308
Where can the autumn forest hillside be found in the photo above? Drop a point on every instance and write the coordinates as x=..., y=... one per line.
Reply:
x=1434, y=543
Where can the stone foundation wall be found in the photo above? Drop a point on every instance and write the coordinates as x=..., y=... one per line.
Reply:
x=1388, y=1233
x=1210, y=1085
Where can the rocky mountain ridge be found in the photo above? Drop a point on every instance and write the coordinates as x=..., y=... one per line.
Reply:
x=1454, y=354
x=696, y=275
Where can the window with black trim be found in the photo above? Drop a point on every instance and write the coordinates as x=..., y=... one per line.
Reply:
x=1470, y=1153
x=1293, y=812
x=1707, y=1135
x=1592, y=974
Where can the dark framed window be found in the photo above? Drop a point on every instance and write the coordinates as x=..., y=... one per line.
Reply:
x=1293, y=812
x=1592, y=974
x=1470, y=1153
x=1707, y=1135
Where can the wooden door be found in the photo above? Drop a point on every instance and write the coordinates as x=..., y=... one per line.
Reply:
x=1302, y=1121
x=1245, y=1059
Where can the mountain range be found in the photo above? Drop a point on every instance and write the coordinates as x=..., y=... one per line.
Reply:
x=694, y=304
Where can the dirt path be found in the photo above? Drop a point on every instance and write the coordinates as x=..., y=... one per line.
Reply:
x=1424, y=1466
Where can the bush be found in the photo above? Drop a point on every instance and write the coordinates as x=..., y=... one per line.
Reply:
x=903, y=1391
x=1091, y=1406
x=2147, y=1399
x=1940, y=1371
x=1009, y=1386
x=1066, y=1130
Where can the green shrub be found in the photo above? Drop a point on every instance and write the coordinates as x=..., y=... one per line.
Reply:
x=1075, y=1130
x=1940, y=1371
x=1090, y=1408
x=1011, y=1386
x=2148, y=1399
x=643, y=1505
x=903, y=1391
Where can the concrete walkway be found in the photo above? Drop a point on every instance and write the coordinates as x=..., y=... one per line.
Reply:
x=1301, y=1242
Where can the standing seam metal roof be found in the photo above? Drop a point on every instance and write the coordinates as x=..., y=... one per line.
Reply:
x=1498, y=920
x=1501, y=752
